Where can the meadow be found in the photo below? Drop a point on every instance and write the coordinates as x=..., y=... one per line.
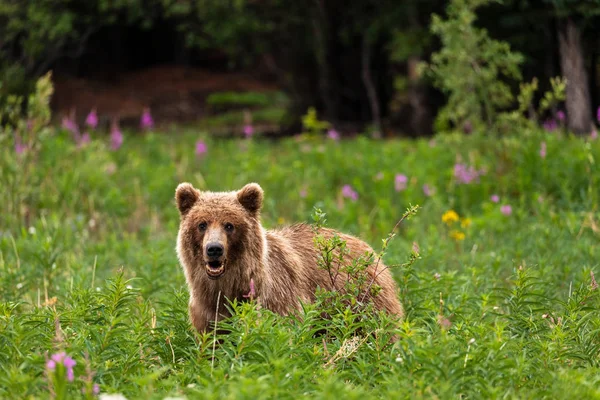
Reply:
x=501, y=301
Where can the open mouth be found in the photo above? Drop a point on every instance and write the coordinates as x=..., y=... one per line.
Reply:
x=215, y=269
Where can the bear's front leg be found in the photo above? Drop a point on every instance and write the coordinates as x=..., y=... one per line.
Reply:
x=198, y=316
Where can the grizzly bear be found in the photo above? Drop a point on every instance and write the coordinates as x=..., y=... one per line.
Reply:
x=226, y=253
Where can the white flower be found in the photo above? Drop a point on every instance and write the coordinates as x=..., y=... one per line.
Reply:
x=471, y=341
x=399, y=360
x=31, y=230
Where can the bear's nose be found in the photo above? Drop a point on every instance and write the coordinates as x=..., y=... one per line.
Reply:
x=214, y=250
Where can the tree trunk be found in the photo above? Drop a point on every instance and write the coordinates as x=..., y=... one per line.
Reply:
x=326, y=79
x=370, y=86
x=572, y=63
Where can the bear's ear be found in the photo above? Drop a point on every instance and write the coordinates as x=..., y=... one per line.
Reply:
x=251, y=197
x=185, y=196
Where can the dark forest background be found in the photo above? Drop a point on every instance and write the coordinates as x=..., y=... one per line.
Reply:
x=356, y=62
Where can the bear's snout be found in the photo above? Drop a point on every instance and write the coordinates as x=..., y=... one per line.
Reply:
x=215, y=259
x=214, y=250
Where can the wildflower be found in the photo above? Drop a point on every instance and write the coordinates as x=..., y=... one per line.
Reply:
x=19, y=146
x=495, y=198
x=471, y=341
x=594, y=284
x=450, y=217
x=248, y=130
x=62, y=359
x=428, y=190
x=457, y=235
x=560, y=115
x=415, y=248
x=201, y=148
x=350, y=193
x=506, y=209
x=146, y=121
x=444, y=322
x=549, y=125
x=116, y=136
x=379, y=176
x=400, y=182
x=92, y=119
x=303, y=193
x=543, y=150
x=464, y=174
x=333, y=134
x=598, y=114
x=69, y=124
x=594, y=134
x=468, y=127
x=437, y=276
x=83, y=139
x=465, y=222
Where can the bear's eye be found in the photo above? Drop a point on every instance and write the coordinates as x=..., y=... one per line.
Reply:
x=229, y=227
x=202, y=226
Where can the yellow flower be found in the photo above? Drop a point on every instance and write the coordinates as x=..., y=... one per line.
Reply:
x=457, y=235
x=280, y=221
x=465, y=222
x=450, y=217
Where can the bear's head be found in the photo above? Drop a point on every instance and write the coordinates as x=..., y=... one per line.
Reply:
x=217, y=228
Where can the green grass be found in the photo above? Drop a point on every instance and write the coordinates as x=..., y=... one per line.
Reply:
x=88, y=266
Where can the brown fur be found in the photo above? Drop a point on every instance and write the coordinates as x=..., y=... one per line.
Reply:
x=282, y=263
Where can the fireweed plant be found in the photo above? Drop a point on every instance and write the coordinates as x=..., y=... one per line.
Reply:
x=508, y=309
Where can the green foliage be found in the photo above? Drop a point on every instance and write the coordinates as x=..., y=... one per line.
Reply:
x=471, y=68
x=313, y=127
x=87, y=266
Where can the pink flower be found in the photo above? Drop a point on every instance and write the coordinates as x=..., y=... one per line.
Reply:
x=303, y=193
x=248, y=130
x=116, y=136
x=70, y=125
x=62, y=359
x=594, y=134
x=543, y=150
x=428, y=190
x=19, y=146
x=83, y=139
x=400, y=182
x=550, y=125
x=560, y=115
x=333, y=135
x=495, y=198
x=379, y=176
x=252, y=293
x=201, y=148
x=146, y=121
x=506, y=209
x=437, y=276
x=92, y=119
x=349, y=193
x=466, y=175
x=96, y=388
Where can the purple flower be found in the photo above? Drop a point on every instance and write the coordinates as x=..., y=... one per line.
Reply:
x=560, y=115
x=466, y=175
x=400, y=182
x=96, y=388
x=65, y=360
x=70, y=125
x=598, y=114
x=19, y=146
x=116, y=136
x=201, y=148
x=83, y=139
x=248, y=130
x=349, y=193
x=92, y=119
x=506, y=209
x=427, y=190
x=333, y=135
x=495, y=198
x=594, y=134
x=550, y=125
x=543, y=150
x=146, y=121
x=303, y=193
